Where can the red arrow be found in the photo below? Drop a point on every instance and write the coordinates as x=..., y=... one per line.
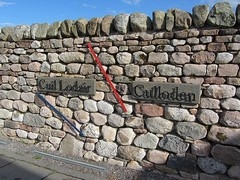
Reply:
x=118, y=97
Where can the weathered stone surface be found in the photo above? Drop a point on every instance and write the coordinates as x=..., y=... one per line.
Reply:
x=81, y=25
x=169, y=70
x=220, y=91
x=82, y=116
x=178, y=114
x=93, y=156
x=140, y=22
x=223, y=58
x=224, y=135
x=90, y=105
x=115, y=120
x=71, y=57
x=18, y=33
x=173, y=144
x=105, y=107
x=108, y=133
x=207, y=117
x=221, y=15
x=125, y=136
x=5, y=114
x=194, y=70
x=210, y=103
x=98, y=119
x=191, y=130
x=106, y=59
x=121, y=23
x=73, y=68
x=6, y=104
x=53, y=30
x=90, y=130
x=183, y=19
x=54, y=122
x=66, y=28
x=230, y=119
x=70, y=145
x=41, y=32
x=147, y=140
x=203, y=57
x=228, y=70
x=131, y=153
x=234, y=172
x=159, y=125
x=231, y=104
x=211, y=166
x=75, y=104
x=199, y=15
x=124, y=58
x=151, y=110
x=157, y=156
x=226, y=154
x=200, y=148
x=147, y=70
x=21, y=133
x=33, y=120
x=107, y=149
x=157, y=58
x=92, y=26
x=159, y=20
x=169, y=18
x=182, y=164
x=107, y=25
x=46, y=146
x=134, y=122
x=180, y=58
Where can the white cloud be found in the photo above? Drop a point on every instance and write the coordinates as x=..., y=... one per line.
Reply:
x=2, y=3
x=134, y=2
x=6, y=24
x=89, y=6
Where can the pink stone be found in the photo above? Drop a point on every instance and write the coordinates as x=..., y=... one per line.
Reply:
x=200, y=148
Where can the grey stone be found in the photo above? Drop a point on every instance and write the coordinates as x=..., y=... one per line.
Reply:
x=106, y=59
x=92, y=26
x=58, y=68
x=66, y=28
x=62, y=101
x=18, y=33
x=33, y=120
x=147, y=140
x=173, y=144
x=54, y=122
x=90, y=105
x=223, y=58
x=75, y=104
x=224, y=135
x=71, y=57
x=222, y=15
x=147, y=70
x=180, y=58
x=230, y=119
x=194, y=70
x=191, y=130
x=184, y=164
x=82, y=116
x=33, y=30
x=6, y=104
x=131, y=153
x=159, y=20
x=234, y=172
x=170, y=19
x=231, y=104
x=53, y=30
x=140, y=22
x=238, y=14
x=107, y=25
x=157, y=58
x=159, y=125
x=207, y=117
x=98, y=119
x=81, y=25
x=140, y=57
x=131, y=70
x=106, y=149
x=38, y=57
x=211, y=166
x=121, y=23
x=220, y=91
x=200, y=14
x=105, y=107
x=73, y=68
x=124, y=58
x=115, y=120
x=226, y=154
x=183, y=19
x=169, y=70
x=70, y=145
x=20, y=105
x=41, y=32
x=45, y=67
x=125, y=136
x=5, y=114
x=134, y=122
x=178, y=114
x=90, y=130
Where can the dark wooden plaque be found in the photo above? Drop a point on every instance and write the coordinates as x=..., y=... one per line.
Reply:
x=166, y=92
x=66, y=85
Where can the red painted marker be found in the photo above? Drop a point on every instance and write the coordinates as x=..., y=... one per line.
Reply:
x=119, y=99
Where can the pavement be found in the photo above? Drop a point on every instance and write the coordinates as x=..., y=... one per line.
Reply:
x=19, y=161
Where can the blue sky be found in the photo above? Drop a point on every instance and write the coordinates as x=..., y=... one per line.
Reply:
x=27, y=12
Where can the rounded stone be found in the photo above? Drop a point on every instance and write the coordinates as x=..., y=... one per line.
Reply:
x=208, y=117
x=115, y=120
x=105, y=107
x=125, y=136
x=90, y=105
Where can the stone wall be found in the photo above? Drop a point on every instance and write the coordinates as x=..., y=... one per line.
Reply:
x=196, y=142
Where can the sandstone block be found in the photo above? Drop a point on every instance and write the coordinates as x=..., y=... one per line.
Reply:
x=228, y=70
x=157, y=58
x=157, y=157
x=203, y=57
x=200, y=148
x=230, y=119
x=151, y=110
x=194, y=70
x=140, y=22
x=108, y=133
x=180, y=58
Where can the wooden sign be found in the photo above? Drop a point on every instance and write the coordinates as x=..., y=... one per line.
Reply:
x=66, y=85
x=166, y=92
